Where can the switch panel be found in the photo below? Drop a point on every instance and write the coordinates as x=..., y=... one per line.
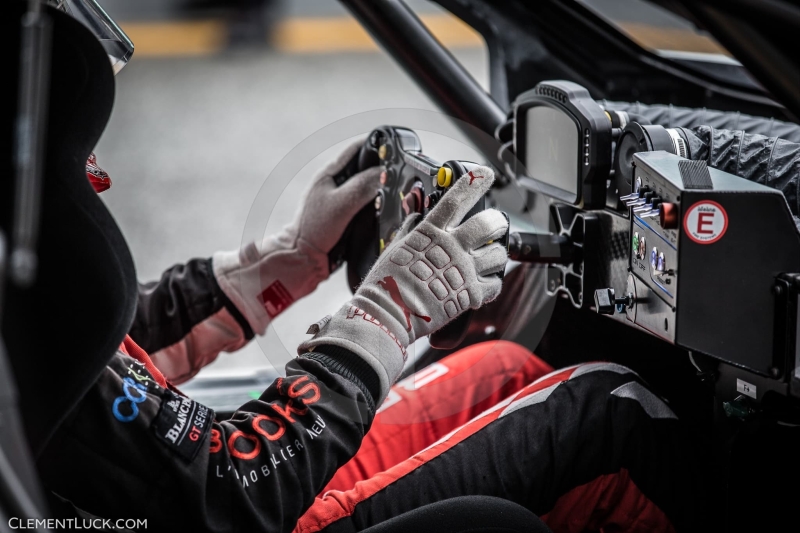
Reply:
x=702, y=259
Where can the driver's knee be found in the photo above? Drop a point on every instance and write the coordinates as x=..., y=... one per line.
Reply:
x=604, y=382
x=462, y=385
x=509, y=361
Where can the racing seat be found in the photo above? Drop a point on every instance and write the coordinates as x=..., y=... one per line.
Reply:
x=472, y=514
x=61, y=331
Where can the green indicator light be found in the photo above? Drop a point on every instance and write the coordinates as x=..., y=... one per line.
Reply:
x=635, y=242
x=254, y=394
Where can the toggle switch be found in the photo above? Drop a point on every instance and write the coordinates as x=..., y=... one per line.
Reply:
x=606, y=302
x=635, y=194
x=646, y=208
x=643, y=199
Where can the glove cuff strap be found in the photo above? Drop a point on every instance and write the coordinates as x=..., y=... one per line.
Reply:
x=369, y=336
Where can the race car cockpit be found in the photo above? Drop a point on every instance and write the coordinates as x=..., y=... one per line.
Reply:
x=653, y=205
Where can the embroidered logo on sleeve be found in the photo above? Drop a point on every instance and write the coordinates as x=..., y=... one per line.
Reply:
x=126, y=407
x=275, y=299
x=182, y=424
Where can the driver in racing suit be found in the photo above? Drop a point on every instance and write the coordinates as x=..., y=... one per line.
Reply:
x=335, y=444
x=587, y=447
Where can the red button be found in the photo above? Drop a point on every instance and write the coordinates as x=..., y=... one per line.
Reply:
x=668, y=215
x=413, y=201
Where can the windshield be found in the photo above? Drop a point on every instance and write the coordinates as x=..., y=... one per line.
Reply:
x=655, y=28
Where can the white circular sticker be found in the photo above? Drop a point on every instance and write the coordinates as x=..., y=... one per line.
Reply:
x=705, y=222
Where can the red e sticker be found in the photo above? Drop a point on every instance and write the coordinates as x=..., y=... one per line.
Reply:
x=705, y=222
x=275, y=299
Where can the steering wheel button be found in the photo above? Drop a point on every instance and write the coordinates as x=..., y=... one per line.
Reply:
x=654, y=257
x=378, y=204
x=660, y=264
x=413, y=201
x=409, y=204
x=444, y=177
x=635, y=242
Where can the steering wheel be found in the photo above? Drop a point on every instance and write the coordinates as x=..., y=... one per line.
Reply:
x=410, y=182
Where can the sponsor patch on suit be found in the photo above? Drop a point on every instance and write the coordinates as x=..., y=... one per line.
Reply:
x=182, y=424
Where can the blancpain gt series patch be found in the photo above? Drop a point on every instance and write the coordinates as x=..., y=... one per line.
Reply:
x=182, y=424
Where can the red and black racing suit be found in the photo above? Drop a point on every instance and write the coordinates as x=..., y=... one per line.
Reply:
x=586, y=448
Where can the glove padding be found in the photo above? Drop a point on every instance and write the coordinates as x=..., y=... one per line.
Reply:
x=427, y=277
x=263, y=280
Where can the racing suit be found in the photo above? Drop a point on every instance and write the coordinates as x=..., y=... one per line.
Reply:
x=585, y=447
x=136, y=447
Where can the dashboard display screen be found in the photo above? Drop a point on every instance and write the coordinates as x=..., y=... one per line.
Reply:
x=551, y=148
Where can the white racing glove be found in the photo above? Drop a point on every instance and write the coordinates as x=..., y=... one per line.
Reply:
x=425, y=278
x=263, y=279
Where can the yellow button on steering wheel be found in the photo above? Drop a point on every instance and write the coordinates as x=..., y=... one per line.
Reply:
x=444, y=177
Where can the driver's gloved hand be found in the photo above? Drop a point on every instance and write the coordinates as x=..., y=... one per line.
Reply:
x=425, y=278
x=263, y=279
